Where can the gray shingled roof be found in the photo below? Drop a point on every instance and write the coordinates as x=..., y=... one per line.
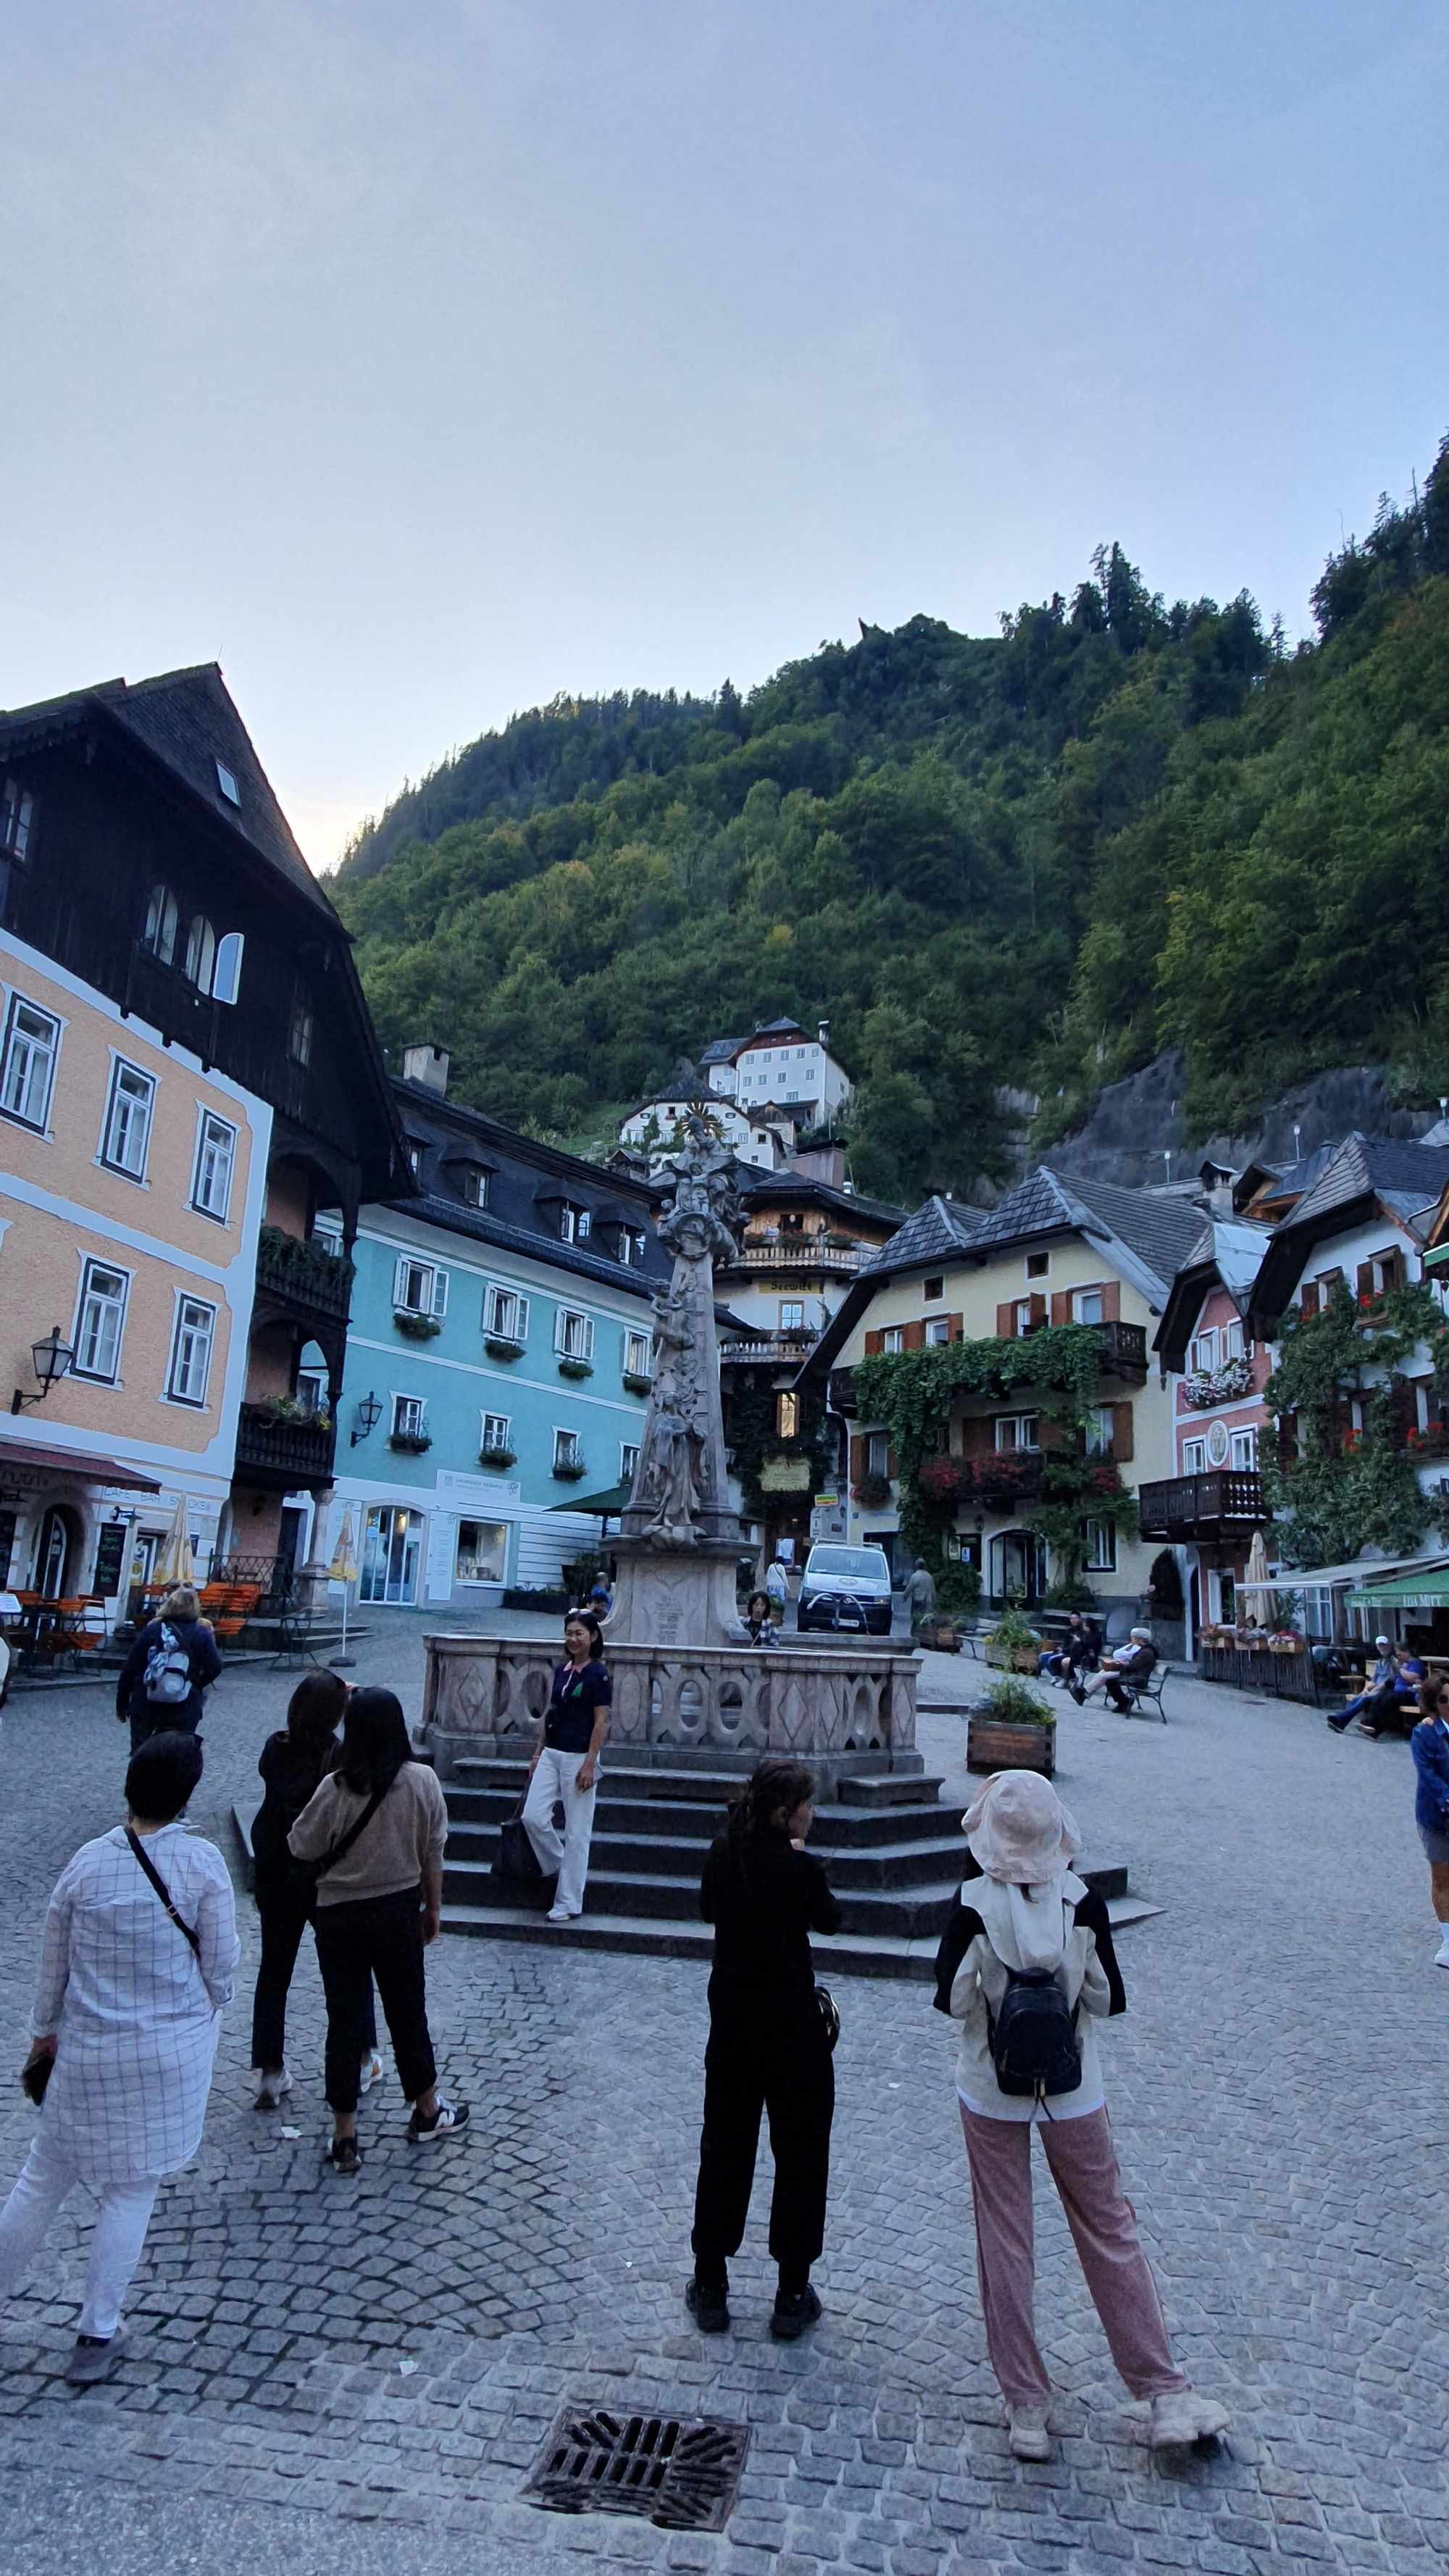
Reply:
x=1160, y=1227
x=1408, y=1176
x=936, y=1232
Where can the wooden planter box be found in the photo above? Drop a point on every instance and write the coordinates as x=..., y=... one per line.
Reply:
x=994, y=1744
x=1022, y=1659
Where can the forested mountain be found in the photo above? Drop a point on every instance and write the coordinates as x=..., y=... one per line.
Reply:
x=1029, y=859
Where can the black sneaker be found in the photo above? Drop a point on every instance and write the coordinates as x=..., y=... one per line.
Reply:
x=793, y=2311
x=446, y=2121
x=708, y=2304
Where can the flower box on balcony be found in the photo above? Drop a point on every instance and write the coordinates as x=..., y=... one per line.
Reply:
x=500, y=1347
x=416, y=1328
x=569, y=1470
x=575, y=1368
x=634, y=1384
x=411, y=1444
x=873, y=1493
x=1225, y=1385
x=497, y=1457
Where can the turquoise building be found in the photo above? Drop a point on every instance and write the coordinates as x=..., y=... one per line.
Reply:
x=498, y=1358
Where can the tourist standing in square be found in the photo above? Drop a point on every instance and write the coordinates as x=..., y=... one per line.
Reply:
x=565, y=1764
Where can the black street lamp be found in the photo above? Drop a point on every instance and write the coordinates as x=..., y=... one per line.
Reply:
x=50, y=1360
x=369, y=1414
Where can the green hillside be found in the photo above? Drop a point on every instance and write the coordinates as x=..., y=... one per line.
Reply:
x=1031, y=859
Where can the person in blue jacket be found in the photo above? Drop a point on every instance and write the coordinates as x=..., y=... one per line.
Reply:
x=1429, y=1745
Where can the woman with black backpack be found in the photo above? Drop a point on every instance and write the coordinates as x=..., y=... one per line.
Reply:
x=293, y=1764
x=771, y=2032
x=173, y=1659
x=1026, y=1955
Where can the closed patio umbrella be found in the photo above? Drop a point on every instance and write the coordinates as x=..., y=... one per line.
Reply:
x=343, y=1570
x=175, y=1563
x=1256, y=1578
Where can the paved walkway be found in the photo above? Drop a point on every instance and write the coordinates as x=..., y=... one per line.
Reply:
x=369, y=2369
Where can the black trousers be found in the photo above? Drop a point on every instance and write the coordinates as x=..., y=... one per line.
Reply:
x=779, y=2064
x=284, y=1918
x=381, y=1937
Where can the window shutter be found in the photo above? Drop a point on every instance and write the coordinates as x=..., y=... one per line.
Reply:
x=976, y=1436
x=588, y=1337
x=1308, y=1302
x=1006, y=1323
x=440, y=1294
x=1061, y=1305
x=399, y=1281
x=892, y=1469
x=857, y=1459
x=523, y=1319
x=955, y=1328
x=1111, y=1301
x=1051, y=1435
x=1393, y=1267
x=916, y=1335
x=874, y=1344
x=1365, y=1278
x=1121, y=1432
x=1038, y=1310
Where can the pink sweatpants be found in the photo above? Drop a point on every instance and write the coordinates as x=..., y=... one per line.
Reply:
x=1083, y=2166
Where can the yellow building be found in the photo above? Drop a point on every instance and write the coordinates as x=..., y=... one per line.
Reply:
x=131, y=1188
x=1054, y=1252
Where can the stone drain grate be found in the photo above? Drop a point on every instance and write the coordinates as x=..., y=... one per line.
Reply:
x=681, y=2473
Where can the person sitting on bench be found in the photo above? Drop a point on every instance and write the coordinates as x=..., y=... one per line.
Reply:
x=1126, y=1670
x=1080, y=1646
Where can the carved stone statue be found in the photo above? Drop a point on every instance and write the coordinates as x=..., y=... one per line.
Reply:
x=680, y=1495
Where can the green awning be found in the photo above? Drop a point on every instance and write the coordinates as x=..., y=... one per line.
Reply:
x=603, y=1506
x=1411, y=1592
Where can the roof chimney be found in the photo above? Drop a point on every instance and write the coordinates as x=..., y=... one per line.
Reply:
x=427, y=1065
x=823, y=1032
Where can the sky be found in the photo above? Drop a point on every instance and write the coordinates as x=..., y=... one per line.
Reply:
x=418, y=360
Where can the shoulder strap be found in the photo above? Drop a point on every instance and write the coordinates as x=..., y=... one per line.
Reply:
x=345, y=1841
x=145, y=1863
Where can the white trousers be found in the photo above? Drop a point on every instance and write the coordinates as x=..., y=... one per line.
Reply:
x=46, y=2177
x=555, y=1778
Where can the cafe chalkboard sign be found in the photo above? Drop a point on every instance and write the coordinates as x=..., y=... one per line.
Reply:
x=111, y=1550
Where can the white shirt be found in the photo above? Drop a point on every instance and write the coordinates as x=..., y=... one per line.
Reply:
x=137, y=2010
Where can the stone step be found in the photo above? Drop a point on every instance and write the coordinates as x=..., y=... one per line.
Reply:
x=912, y=1913
x=887, y=1789
x=836, y=1828
x=890, y=1865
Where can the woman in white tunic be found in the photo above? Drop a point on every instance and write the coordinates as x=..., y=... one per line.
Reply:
x=127, y=2012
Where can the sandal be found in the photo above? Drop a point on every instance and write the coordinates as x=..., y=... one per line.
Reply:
x=344, y=2156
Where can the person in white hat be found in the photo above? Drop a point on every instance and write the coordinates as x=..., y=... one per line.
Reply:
x=1026, y=1965
x=1133, y=1662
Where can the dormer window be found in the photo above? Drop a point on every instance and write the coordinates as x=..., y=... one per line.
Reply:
x=475, y=1186
x=17, y=816
x=573, y=1222
x=226, y=781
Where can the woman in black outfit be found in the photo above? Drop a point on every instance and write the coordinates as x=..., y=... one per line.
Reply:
x=768, y=2050
x=294, y=1762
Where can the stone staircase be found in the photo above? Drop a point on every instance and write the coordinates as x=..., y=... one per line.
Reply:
x=893, y=1854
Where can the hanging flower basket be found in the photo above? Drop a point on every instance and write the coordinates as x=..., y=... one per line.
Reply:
x=569, y=1470
x=417, y=1328
x=500, y=1347
x=873, y=1493
x=411, y=1444
x=634, y=1384
x=498, y=1458
x=575, y=1368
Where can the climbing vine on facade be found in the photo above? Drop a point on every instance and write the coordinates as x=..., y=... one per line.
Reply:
x=1337, y=1486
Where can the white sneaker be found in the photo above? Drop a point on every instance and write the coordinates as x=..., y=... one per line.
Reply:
x=1030, y=2439
x=1441, y=1955
x=370, y=2072
x=560, y=1914
x=1180, y=2416
x=271, y=2089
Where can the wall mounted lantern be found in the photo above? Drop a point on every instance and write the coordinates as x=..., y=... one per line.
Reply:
x=369, y=1414
x=50, y=1360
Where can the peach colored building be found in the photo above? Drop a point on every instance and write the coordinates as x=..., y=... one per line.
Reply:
x=132, y=1183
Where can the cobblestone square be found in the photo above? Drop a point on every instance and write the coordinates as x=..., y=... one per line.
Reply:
x=358, y=2375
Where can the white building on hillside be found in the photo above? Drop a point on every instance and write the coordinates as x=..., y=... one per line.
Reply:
x=657, y=1130
x=782, y=1065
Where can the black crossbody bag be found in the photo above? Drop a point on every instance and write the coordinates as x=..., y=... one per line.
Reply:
x=145, y=1863
x=303, y=1875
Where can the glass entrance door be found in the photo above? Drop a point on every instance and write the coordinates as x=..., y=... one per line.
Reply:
x=391, y=1546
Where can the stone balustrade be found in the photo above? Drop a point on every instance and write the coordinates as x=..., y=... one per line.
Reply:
x=841, y=1708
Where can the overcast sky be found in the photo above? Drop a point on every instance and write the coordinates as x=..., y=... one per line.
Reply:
x=418, y=359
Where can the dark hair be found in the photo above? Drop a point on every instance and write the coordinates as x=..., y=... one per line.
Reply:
x=772, y=1788
x=758, y=1596
x=161, y=1776
x=586, y=1619
x=315, y=1708
x=1429, y=1690
x=375, y=1741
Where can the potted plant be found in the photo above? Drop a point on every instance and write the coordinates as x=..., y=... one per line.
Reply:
x=1010, y=1729
x=873, y=1493
x=569, y=1470
x=1013, y=1643
x=410, y=1443
x=635, y=1383
x=502, y=1346
x=497, y=1457
x=575, y=1368
x=416, y=1328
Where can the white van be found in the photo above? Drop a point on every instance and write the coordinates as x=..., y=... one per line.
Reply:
x=846, y=1587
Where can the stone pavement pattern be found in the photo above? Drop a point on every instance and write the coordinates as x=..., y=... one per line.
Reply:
x=366, y=2371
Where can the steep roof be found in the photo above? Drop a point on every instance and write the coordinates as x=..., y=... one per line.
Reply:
x=479, y=1223
x=188, y=721
x=1362, y=1173
x=1160, y=1227
x=1228, y=1253
x=721, y=1050
x=939, y=1231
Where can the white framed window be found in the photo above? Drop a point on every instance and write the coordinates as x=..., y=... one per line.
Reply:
x=299, y=1029
x=312, y=1392
x=893, y=1338
x=226, y=976
x=215, y=1164
x=496, y=1428
x=482, y=1551
x=637, y=1354
x=27, y=1068
x=163, y=920
x=938, y=1329
x=200, y=953
x=631, y=1247
x=792, y=1315
x=226, y=781
x=628, y=1461
x=574, y=1223
x=878, y=1454
x=1194, y=1457
x=407, y=1416
x=566, y=1449
x=475, y=1186
x=1021, y=1317
x=419, y=1288
x=1099, y=1432
x=1017, y=1431
x=191, y=1343
x=1233, y=1348
x=505, y=1315
x=787, y=1416
x=17, y=816
x=1243, y=1450
x=1086, y=1305
x=573, y=1334
x=1101, y=1547
x=1205, y=1349
x=100, y=1322
x=127, y=1135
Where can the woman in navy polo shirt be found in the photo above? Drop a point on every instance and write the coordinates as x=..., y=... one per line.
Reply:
x=566, y=1764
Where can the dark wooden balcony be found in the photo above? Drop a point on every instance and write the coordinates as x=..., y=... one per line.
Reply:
x=304, y=1278
x=1124, y=1350
x=1224, y=1504
x=279, y=1454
